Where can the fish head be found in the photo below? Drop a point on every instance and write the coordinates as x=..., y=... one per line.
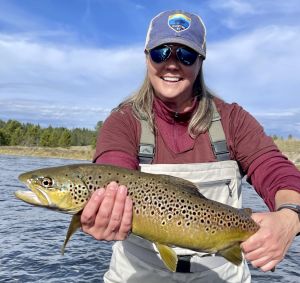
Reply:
x=57, y=188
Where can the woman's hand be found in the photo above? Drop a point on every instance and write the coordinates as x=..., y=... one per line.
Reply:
x=108, y=214
x=268, y=246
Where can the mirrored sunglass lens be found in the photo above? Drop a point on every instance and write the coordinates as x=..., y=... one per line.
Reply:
x=160, y=54
x=186, y=56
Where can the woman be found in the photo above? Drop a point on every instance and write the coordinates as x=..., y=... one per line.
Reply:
x=199, y=137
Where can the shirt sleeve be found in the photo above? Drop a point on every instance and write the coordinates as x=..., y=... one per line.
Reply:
x=272, y=172
x=117, y=142
x=247, y=139
x=267, y=169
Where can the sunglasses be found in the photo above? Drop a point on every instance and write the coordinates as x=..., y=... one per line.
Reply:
x=185, y=55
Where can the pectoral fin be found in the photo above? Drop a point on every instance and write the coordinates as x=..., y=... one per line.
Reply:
x=168, y=256
x=247, y=211
x=232, y=254
x=74, y=225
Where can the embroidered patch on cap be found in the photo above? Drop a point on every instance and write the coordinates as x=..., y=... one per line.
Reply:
x=179, y=22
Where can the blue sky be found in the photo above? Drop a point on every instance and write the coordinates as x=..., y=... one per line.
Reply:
x=69, y=62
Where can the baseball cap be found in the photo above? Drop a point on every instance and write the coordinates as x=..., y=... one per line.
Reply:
x=177, y=26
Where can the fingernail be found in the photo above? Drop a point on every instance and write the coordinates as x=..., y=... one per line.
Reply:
x=100, y=191
x=123, y=190
x=112, y=186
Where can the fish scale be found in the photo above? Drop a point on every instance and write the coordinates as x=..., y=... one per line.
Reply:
x=168, y=211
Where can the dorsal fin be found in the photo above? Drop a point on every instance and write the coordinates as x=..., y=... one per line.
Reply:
x=183, y=184
x=247, y=211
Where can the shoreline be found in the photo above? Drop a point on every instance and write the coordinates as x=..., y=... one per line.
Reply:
x=73, y=152
x=291, y=149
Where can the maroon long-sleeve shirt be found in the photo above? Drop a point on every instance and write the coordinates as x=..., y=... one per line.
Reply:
x=266, y=167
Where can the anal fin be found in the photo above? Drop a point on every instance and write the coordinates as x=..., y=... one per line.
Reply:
x=232, y=254
x=169, y=257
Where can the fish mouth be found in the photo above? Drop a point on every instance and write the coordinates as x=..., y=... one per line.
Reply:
x=35, y=196
x=29, y=197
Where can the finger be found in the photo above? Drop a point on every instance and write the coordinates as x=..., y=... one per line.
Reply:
x=269, y=266
x=254, y=255
x=262, y=261
x=126, y=223
x=116, y=214
x=252, y=244
x=90, y=210
x=106, y=207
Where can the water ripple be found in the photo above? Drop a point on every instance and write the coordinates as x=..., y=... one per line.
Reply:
x=31, y=238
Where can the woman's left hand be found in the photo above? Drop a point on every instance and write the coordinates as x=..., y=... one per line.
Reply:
x=268, y=246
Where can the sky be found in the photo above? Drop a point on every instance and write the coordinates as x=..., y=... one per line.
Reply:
x=69, y=62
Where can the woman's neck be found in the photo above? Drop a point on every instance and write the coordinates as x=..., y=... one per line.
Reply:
x=179, y=105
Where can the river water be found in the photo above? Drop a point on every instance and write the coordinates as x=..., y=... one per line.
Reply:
x=31, y=237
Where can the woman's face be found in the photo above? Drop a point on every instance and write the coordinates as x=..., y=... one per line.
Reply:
x=172, y=81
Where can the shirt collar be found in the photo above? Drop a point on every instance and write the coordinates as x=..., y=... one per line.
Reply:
x=168, y=114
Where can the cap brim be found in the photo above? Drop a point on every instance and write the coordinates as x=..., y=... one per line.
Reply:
x=176, y=40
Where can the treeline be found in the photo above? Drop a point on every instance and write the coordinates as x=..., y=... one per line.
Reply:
x=14, y=133
x=275, y=137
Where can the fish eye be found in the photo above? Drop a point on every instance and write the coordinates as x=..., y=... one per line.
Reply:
x=47, y=182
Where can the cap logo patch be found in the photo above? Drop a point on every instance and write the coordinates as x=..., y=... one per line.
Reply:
x=179, y=22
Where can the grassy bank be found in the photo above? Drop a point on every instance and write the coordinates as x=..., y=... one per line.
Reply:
x=291, y=148
x=74, y=152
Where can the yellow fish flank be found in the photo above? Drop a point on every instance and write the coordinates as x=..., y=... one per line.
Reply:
x=167, y=211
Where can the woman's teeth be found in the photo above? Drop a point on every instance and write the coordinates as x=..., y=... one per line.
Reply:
x=171, y=79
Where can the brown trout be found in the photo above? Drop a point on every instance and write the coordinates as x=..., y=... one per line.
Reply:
x=167, y=211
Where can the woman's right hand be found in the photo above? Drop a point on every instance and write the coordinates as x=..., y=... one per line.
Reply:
x=108, y=214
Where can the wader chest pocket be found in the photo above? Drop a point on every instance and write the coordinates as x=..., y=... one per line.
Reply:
x=219, y=190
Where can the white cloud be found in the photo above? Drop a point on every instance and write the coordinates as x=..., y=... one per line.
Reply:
x=57, y=81
x=52, y=113
x=67, y=70
x=258, y=66
x=234, y=6
x=255, y=7
x=260, y=70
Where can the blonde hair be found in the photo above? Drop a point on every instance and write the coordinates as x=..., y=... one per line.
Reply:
x=142, y=104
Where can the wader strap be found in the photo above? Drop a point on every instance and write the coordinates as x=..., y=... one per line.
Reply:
x=216, y=134
x=147, y=144
x=217, y=137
